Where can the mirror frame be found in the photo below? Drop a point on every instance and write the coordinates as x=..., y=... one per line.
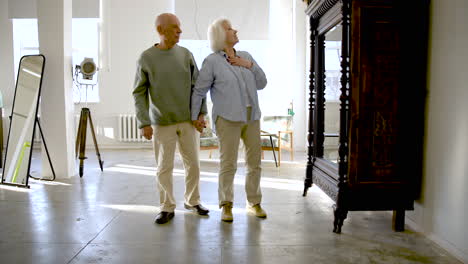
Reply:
x=327, y=21
x=37, y=100
x=324, y=15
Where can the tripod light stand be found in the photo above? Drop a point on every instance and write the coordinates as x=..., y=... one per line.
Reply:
x=87, y=68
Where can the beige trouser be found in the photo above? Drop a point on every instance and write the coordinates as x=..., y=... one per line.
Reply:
x=229, y=134
x=164, y=143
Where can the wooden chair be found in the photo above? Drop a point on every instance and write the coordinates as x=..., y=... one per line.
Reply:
x=280, y=127
x=270, y=146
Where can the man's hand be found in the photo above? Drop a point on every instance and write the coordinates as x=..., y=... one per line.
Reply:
x=238, y=61
x=147, y=132
x=197, y=125
x=200, y=123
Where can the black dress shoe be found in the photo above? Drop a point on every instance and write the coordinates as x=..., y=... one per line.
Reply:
x=164, y=217
x=199, y=209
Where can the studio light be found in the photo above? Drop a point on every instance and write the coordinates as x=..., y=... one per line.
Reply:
x=83, y=76
x=87, y=68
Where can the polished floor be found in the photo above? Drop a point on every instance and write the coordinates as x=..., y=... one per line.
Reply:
x=107, y=217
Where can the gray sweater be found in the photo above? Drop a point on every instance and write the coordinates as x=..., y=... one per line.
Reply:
x=163, y=86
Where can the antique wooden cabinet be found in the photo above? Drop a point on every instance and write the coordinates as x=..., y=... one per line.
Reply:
x=367, y=100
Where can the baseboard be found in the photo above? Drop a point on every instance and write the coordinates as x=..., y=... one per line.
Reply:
x=113, y=146
x=446, y=245
x=124, y=146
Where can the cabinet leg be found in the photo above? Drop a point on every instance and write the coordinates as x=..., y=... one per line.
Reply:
x=308, y=179
x=398, y=220
x=340, y=215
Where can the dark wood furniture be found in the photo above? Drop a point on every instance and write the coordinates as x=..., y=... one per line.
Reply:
x=369, y=102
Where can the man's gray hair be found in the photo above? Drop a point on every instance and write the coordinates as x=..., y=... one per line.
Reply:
x=217, y=34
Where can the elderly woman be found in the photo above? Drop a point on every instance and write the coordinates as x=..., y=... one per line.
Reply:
x=233, y=78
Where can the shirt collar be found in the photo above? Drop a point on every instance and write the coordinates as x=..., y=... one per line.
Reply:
x=222, y=53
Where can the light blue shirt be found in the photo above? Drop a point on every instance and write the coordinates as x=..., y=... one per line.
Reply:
x=232, y=88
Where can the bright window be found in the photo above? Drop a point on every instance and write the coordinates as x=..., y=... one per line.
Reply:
x=85, y=43
x=25, y=39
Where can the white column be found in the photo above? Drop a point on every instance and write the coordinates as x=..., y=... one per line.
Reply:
x=7, y=80
x=54, y=26
x=301, y=91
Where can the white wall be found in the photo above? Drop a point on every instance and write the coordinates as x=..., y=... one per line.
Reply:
x=442, y=212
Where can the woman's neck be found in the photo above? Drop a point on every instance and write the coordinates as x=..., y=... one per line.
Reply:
x=230, y=51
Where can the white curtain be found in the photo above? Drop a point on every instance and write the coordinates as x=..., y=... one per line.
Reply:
x=249, y=17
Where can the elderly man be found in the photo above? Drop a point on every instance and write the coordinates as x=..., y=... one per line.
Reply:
x=165, y=76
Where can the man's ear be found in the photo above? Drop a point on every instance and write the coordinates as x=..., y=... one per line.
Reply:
x=159, y=29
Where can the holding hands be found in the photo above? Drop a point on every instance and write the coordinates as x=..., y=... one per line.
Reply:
x=199, y=124
x=147, y=132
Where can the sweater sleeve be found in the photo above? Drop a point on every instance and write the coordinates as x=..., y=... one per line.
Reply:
x=141, y=95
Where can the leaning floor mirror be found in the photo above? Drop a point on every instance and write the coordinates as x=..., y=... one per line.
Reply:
x=22, y=121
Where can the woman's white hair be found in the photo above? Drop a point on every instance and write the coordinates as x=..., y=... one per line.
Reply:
x=217, y=34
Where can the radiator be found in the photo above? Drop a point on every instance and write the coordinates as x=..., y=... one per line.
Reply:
x=128, y=129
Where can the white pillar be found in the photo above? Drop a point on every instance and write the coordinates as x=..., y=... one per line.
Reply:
x=54, y=26
x=301, y=81
x=7, y=80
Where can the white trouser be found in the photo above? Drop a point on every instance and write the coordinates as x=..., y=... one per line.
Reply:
x=164, y=143
x=229, y=134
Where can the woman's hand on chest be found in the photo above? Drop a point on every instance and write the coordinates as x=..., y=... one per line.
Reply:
x=239, y=61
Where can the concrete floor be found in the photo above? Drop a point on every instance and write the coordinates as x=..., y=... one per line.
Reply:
x=108, y=218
